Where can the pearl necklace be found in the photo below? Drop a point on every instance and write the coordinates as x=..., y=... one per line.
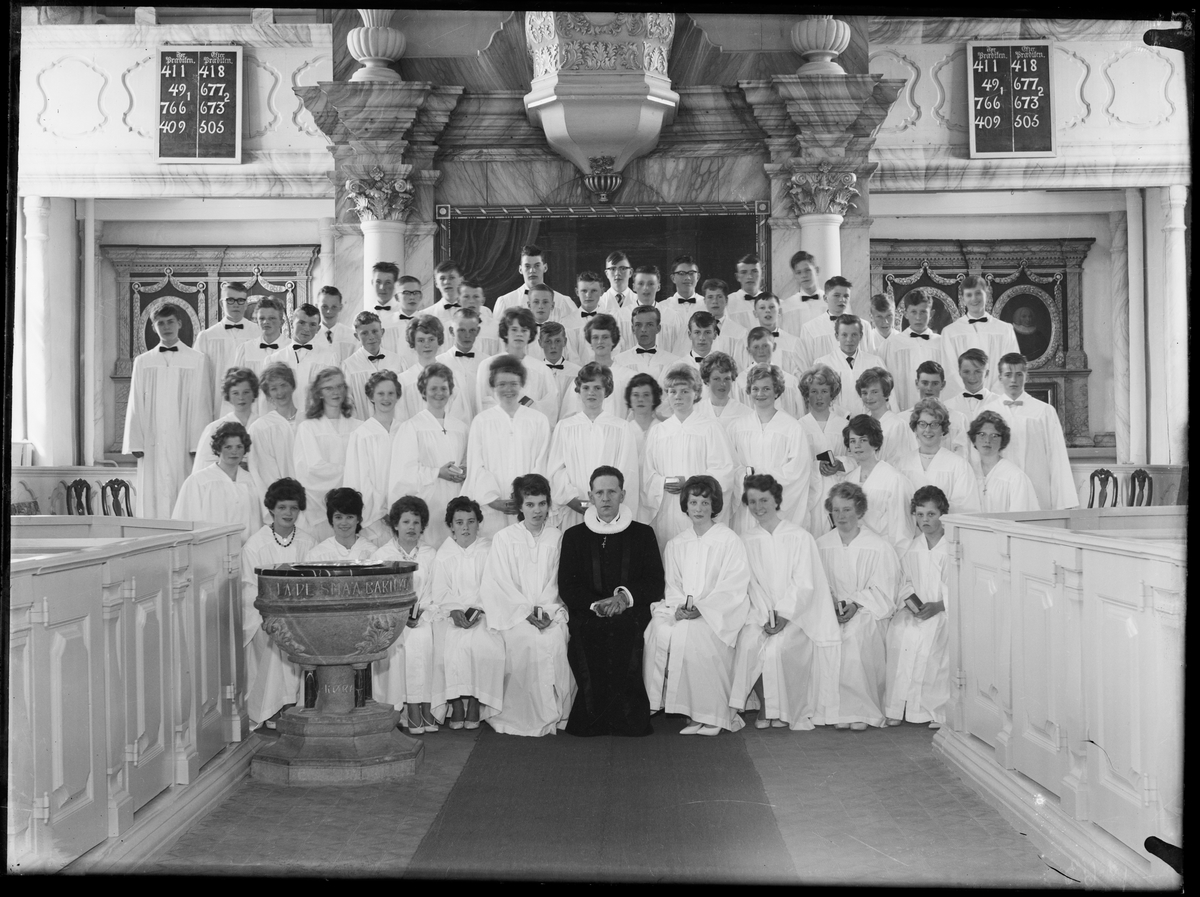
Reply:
x=275, y=536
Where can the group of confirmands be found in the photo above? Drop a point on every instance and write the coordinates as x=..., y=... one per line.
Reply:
x=387, y=424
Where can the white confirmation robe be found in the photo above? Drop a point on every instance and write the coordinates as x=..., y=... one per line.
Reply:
x=211, y=496
x=319, y=459
x=500, y=449
x=1039, y=449
x=422, y=445
x=948, y=472
x=406, y=674
x=1006, y=488
x=888, y=496
x=697, y=445
x=270, y=458
x=823, y=436
x=368, y=461
x=578, y=447
x=865, y=571
x=687, y=665
x=522, y=572
x=780, y=448
x=918, y=651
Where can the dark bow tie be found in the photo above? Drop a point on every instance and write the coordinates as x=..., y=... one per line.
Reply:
x=383, y=308
x=458, y=354
x=808, y=298
x=588, y=314
x=1014, y=402
x=982, y=320
x=924, y=336
x=691, y=301
x=297, y=347
x=404, y=317
x=775, y=333
x=641, y=351
x=557, y=367
x=235, y=326
x=268, y=345
x=750, y=298
x=451, y=305
x=973, y=395
x=168, y=348
x=833, y=318
x=697, y=358
x=375, y=357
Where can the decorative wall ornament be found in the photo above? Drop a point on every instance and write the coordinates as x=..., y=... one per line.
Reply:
x=376, y=46
x=300, y=79
x=255, y=90
x=539, y=25
x=576, y=55
x=147, y=134
x=819, y=39
x=1142, y=100
x=1085, y=71
x=581, y=23
x=602, y=182
x=380, y=197
x=823, y=191
x=900, y=66
x=545, y=60
x=72, y=91
x=946, y=111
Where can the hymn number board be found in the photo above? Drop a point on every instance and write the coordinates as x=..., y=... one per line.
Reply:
x=200, y=104
x=1009, y=99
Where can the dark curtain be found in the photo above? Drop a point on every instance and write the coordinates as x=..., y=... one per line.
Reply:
x=488, y=250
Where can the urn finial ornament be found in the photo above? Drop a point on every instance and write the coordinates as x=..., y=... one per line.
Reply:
x=376, y=45
x=819, y=39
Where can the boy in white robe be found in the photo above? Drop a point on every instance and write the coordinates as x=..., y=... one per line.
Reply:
x=588, y=289
x=533, y=269
x=407, y=309
x=731, y=336
x=585, y=441
x=849, y=360
x=806, y=304
x=767, y=316
x=369, y=456
x=918, y=641
x=688, y=659
x=646, y=355
x=618, y=270
x=332, y=331
x=749, y=275
x=170, y=402
x=976, y=329
x=904, y=354
x=268, y=314
x=384, y=276
x=863, y=576
x=368, y=359
x=975, y=397
x=305, y=357
x=447, y=277
x=506, y=441
x=884, y=326
x=220, y=342
x=552, y=341
x=463, y=358
x=1038, y=446
x=789, y=652
x=819, y=336
x=519, y=595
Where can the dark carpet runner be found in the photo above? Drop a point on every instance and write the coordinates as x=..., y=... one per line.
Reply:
x=661, y=808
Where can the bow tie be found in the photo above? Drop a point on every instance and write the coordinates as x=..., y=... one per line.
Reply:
x=383, y=308
x=808, y=298
x=641, y=351
x=691, y=301
x=557, y=367
x=458, y=354
x=268, y=345
x=833, y=318
x=235, y=326
x=973, y=395
x=298, y=346
x=982, y=320
x=1014, y=402
x=168, y=348
x=924, y=336
x=588, y=314
x=451, y=305
x=375, y=357
x=775, y=333
x=404, y=317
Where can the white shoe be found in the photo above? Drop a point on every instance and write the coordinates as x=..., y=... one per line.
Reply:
x=693, y=729
x=762, y=723
x=709, y=730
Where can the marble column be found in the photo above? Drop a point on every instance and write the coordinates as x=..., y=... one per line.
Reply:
x=1174, y=337
x=383, y=241
x=93, y=407
x=1136, y=323
x=326, y=234
x=820, y=234
x=1119, y=285
x=856, y=262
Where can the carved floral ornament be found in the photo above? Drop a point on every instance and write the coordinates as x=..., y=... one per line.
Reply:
x=379, y=197
x=574, y=41
x=823, y=191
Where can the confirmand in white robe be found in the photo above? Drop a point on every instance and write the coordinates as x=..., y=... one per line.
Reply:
x=780, y=448
x=613, y=404
x=220, y=346
x=889, y=494
x=319, y=459
x=577, y=448
x=412, y=402
x=918, y=651
x=674, y=448
x=421, y=447
x=467, y=662
x=368, y=465
x=823, y=436
x=948, y=472
x=270, y=459
x=522, y=572
x=204, y=453
x=209, y=495
x=800, y=665
x=848, y=401
x=995, y=337
x=540, y=387
x=358, y=369
x=1039, y=448
x=333, y=550
x=500, y=449
x=405, y=676
x=305, y=365
x=865, y=571
x=170, y=402
x=1006, y=488
x=903, y=355
x=271, y=679
x=687, y=665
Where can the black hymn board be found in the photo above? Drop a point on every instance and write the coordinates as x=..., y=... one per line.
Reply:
x=1009, y=99
x=200, y=104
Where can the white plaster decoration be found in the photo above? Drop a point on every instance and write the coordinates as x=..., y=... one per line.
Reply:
x=376, y=46
x=307, y=75
x=819, y=39
x=72, y=91
x=255, y=89
x=142, y=113
x=539, y=25
x=823, y=191
x=1138, y=369
x=948, y=110
x=379, y=196
x=1138, y=79
x=1083, y=107
x=893, y=64
x=1119, y=285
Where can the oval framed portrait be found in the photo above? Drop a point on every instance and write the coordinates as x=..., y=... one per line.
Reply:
x=1033, y=315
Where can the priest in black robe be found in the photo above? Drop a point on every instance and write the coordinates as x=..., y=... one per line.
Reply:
x=609, y=574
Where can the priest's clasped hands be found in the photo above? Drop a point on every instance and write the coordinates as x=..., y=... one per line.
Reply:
x=613, y=605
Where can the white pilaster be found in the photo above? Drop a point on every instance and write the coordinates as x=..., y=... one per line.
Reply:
x=1119, y=280
x=1138, y=396
x=1174, y=337
x=383, y=241
x=325, y=275
x=820, y=234
x=93, y=406
x=37, y=333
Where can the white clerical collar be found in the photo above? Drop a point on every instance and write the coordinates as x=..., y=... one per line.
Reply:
x=618, y=524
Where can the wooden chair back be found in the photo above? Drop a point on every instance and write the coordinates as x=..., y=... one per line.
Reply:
x=79, y=498
x=115, y=498
x=1107, y=481
x=1141, y=489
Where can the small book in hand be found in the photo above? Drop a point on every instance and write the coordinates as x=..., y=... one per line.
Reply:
x=913, y=603
x=825, y=456
x=842, y=607
x=473, y=614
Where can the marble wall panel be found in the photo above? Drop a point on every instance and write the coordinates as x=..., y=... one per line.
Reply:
x=504, y=65
x=463, y=183
x=676, y=179
x=696, y=60
x=348, y=270
x=534, y=182
x=743, y=179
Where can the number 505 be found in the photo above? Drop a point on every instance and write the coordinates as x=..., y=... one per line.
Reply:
x=1026, y=121
x=212, y=127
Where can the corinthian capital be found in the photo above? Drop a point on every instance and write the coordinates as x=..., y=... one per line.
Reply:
x=380, y=196
x=823, y=190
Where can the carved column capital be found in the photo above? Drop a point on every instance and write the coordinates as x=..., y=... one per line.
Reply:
x=822, y=190
x=379, y=195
